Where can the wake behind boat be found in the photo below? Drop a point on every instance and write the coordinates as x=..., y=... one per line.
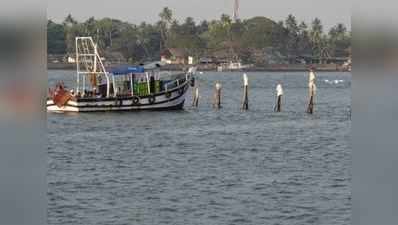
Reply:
x=122, y=88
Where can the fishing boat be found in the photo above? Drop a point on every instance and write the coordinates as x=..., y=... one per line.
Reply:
x=121, y=88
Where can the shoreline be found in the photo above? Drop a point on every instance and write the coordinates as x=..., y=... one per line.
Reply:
x=205, y=68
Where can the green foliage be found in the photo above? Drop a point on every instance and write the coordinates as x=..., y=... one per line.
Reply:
x=240, y=39
x=55, y=38
x=166, y=19
x=339, y=40
x=258, y=33
x=292, y=35
x=186, y=36
x=317, y=38
x=304, y=42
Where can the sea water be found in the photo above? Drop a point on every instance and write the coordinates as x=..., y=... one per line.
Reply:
x=207, y=166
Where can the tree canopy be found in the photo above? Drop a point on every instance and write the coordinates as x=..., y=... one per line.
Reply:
x=242, y=38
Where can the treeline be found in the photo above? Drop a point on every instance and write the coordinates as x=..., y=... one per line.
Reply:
x=243, y=39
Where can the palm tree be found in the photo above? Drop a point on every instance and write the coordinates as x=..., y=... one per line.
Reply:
x=226, y=20
x=72, y=29
x=166, y=18
x=316, y=31
x=69, y=21
x=293, y=34
x=341, y=29
x=316, y=37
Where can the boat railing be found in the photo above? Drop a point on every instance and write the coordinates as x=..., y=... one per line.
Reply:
x=179, y=81
x=176, y=83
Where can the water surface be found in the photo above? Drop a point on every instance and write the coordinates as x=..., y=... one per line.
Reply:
x=203, y=166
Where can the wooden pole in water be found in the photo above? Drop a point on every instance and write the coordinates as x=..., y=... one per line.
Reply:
x=310, y=108
x=312, y=91
x=279, y=94
x=279, y=106
x=195, y=102
x=217, y=96
x=245, y=99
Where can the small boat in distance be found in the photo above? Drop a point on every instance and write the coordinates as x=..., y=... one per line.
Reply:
x=122, y=88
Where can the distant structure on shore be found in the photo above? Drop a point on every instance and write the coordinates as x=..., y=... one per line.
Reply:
x=236, y=10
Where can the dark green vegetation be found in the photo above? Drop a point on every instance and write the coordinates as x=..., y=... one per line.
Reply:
x=248, y=40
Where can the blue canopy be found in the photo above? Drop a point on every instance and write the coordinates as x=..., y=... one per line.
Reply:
x=123, y=70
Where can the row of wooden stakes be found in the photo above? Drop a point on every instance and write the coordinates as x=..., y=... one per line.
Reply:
x=245, y=98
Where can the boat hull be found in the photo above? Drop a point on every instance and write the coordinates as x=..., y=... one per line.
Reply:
x=172, y=100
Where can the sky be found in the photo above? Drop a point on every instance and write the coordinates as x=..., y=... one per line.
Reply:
x=137, y=11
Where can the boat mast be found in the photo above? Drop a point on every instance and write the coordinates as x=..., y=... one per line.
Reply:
x=91, y=62
x=77, y=67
